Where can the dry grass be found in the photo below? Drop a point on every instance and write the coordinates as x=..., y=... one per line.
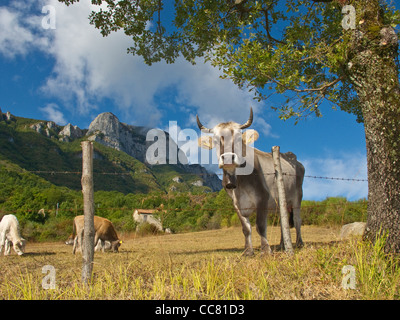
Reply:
x=204, y=265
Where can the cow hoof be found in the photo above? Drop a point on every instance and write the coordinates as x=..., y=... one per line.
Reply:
x=248, y=252
x=266, y=251
x=300, y=244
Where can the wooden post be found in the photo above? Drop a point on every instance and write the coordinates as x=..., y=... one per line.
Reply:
x=285, y=228
x=88, y=210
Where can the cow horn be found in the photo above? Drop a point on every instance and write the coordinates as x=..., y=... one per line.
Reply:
x=201, y=127
x=249, y=122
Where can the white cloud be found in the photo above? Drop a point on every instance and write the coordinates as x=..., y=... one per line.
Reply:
x=52, y=112
x=15, y=39
x=341, y=166
x=90, y=68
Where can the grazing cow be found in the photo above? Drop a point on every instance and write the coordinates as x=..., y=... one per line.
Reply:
x=101, y=245
x=10, y=234
x=104, y=231
x=248, y=178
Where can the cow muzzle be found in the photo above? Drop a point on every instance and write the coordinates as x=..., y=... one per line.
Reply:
x=228, y=160
x=229, y=181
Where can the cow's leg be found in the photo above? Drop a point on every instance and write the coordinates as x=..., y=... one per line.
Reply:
x=246, y=227
x=261, y=226
x=98, y=245
x=7, y=247
x=297, y=225
x=2, y=241
x=75, y=244
x=97, y=240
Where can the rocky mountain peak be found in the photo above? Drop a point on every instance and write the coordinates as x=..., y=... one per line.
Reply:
x=106, y=123
x=106, y=129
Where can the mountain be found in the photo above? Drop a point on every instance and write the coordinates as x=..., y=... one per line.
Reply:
x=53, y=152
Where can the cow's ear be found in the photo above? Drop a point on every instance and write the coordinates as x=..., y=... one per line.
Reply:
x=249, y=136
x=206, y=142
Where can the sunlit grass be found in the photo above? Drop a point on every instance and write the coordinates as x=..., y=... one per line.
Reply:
x=206, y=266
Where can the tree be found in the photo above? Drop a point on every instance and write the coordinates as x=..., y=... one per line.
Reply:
x=341, y=51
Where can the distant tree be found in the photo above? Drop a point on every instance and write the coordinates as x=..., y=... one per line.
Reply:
x=306, y=49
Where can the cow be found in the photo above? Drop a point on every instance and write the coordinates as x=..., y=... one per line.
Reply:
x=10, y=234
x=104, y=231
x=248, y=178
x=101, y=245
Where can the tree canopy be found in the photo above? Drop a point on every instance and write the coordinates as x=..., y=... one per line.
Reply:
x=296, y=47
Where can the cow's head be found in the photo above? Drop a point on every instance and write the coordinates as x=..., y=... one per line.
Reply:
x=231, y=146
x=70, y=240
x=115, y=245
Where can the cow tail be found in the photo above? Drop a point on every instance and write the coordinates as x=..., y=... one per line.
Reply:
x=291, y=221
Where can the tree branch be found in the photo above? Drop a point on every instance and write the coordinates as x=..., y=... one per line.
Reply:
x=322, y=88
x=267, y=27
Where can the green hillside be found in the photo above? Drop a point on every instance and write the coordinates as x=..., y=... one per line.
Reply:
x=60, y=162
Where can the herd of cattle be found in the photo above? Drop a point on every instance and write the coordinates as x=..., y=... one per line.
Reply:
x=247, y=179
x=105, y=238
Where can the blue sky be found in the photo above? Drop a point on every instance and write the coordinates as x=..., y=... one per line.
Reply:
x=71, y=73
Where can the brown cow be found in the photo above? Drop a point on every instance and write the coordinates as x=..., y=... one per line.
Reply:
x=104, y=231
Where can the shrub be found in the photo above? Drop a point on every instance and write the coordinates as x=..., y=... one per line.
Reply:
x=145, y=229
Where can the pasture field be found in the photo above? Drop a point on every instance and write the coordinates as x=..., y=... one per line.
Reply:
x=207, y=265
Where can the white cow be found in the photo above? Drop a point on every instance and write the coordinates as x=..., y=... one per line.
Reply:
x=253, y=188
x=10, y=234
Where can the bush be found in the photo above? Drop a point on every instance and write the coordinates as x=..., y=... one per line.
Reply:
x=145, y=229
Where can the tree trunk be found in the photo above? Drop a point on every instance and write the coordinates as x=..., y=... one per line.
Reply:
x=88, y=210
x=374, y=73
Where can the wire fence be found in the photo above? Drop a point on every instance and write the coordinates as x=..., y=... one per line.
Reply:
x=275, y=210
x=200, y=174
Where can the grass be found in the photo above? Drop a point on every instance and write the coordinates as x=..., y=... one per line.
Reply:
x=207, y=265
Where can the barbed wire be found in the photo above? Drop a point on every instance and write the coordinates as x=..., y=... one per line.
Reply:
x=167, y=209
x=200, y=174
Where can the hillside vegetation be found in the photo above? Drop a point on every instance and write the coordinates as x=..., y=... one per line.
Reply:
x=60, y=162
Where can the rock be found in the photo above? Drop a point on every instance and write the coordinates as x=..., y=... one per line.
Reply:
x=38, y=127
x=352, y=229
x=209, y=179
x=197, y=183
x=109, y=131
x=71, y=132
x=177, y=179
x=51, y=125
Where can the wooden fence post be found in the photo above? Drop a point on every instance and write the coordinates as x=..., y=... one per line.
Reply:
x=285, y=228
x=88, y=210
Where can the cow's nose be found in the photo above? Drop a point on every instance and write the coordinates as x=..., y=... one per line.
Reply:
x=228, y=158
x=230, y=186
